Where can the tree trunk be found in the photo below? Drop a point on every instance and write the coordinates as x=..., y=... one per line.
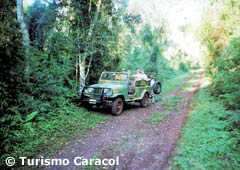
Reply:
x=83, y=57
x=82, y=72
x=25, y=36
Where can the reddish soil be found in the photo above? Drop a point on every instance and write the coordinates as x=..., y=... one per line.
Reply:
x=138, y=144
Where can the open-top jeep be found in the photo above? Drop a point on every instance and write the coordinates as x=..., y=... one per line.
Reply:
x=114, y=89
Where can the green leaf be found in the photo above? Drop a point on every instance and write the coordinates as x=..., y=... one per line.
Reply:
x=30, y=116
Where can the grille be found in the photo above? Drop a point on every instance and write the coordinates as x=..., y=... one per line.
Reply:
x=98, y=91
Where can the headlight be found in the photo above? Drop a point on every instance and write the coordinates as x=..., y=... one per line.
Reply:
x=89, y=90
x=107, y=92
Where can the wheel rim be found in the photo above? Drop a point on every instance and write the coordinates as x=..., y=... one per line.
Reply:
x=157, y=88
x=145, y=100
x=119, y=106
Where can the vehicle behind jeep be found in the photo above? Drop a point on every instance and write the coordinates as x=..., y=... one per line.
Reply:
x=114, y=89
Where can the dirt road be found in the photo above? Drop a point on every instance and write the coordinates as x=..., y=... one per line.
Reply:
x=138, y=143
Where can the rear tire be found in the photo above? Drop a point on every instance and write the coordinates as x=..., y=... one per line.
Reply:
x=145, y=100
x=117, y=106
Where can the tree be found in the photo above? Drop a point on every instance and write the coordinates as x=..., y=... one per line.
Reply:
x=25, y=34
x=84, y=23
x=145, y=48
x=40, y=20
x=11, y=58
x=93, y=32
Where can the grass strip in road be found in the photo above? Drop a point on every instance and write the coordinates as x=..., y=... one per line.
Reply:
x=210, y=139
x=172, y=103
x=173, y=82
x=155, y=118
x=168, y=103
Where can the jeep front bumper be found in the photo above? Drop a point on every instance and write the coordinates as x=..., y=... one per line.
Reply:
x=96, y=96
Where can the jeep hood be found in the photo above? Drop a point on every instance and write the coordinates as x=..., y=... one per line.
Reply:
x=109, y=85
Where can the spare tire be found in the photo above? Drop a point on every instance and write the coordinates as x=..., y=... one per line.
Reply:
x=157, y=87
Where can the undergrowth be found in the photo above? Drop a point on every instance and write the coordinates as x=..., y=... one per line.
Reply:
x=211, y=137
x=44, y=134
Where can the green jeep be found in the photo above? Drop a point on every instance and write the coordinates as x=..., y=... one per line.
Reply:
x=114, y=89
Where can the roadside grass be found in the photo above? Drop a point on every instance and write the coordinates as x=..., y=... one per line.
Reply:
x=211, y=137
x=45, y=134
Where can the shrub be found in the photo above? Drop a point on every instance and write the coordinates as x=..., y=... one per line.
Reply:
x=226, y=80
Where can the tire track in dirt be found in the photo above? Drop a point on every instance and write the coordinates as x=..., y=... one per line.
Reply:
x=138, y=144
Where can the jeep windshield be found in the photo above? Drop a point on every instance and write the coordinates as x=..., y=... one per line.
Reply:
x=114, y=76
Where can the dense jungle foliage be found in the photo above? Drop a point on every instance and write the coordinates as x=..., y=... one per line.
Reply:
x=220, y=36
x=72, y=42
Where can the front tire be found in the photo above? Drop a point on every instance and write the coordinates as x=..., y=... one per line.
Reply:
x=145, y=100
x=117, y=106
